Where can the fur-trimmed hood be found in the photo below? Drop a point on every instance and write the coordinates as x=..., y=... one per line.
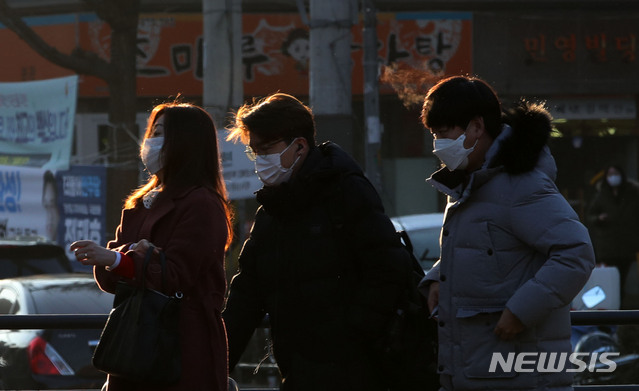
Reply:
x=523, y=139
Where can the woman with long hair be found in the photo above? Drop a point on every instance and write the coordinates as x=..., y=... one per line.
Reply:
x=183, y=211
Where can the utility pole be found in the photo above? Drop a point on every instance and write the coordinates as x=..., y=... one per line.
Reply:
x=223, y=87
x=330, y=69
x=222, y=77
x=371, y=96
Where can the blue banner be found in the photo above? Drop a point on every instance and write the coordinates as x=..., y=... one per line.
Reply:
x=82, y=203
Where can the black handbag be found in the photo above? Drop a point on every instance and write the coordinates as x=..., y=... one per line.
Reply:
x=140, y=341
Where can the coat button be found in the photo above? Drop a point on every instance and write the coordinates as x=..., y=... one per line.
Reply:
x=490, y=251
x=445, y=232
x=440, y=368
x=442, y=278
x=441, y=323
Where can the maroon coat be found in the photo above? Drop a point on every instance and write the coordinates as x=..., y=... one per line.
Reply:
x=190, y=227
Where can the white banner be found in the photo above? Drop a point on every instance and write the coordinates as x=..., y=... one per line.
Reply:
x=36, y=122
x=239, y=172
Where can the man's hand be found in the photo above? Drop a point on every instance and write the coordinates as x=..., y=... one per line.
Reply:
x=433, y=296
x=508, y=325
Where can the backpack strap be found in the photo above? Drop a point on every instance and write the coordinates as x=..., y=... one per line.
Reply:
x=405, y=239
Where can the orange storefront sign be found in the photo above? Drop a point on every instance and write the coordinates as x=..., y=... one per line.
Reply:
x=274, y=50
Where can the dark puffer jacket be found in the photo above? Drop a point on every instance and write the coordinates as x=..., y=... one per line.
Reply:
x=615, y=239
x=321, y=260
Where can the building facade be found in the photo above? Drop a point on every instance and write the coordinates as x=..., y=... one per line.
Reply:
x=582, y=64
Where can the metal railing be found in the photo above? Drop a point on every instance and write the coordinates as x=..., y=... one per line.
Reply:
x=97, y=321
x=604, y=317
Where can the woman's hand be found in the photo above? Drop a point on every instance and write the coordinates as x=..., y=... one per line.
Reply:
x=88, y=252
x=142, y=246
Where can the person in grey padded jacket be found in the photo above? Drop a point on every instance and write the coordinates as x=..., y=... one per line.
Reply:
x=513, y=251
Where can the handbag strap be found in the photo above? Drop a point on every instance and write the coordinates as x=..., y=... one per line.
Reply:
x=147, y=260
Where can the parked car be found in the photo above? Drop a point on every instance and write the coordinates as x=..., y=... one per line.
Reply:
x=50, y=358
x=26, y=256
x=423, y=231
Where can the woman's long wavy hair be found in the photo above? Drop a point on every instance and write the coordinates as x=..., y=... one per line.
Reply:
x=190, y=155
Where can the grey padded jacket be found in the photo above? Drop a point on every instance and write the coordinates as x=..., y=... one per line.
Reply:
x=509, y=239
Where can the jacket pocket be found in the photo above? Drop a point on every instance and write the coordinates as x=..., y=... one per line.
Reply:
x=483, y=354
x=479, y=344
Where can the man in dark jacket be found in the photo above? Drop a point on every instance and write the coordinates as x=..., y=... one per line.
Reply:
x=321, y=259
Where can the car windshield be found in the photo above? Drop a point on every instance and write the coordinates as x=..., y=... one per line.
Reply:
x=16, y=261
x=11, y=267
x=81, y=297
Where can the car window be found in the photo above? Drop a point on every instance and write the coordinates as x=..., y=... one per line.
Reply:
x=8, y=302
x=76, y=298
x=425, y=243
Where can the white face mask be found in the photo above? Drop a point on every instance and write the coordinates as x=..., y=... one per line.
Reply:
x=614, y=180
x=452, y=152
x=269, y=168
x=150, y=154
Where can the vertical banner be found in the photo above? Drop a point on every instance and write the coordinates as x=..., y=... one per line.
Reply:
x=82, y=192
x=36, y=122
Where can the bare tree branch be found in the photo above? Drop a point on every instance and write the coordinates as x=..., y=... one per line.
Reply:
x=119, y=72
x=115, y=12
x=80, y=61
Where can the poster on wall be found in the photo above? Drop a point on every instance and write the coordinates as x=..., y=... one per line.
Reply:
x=82, y=201
x=59, y=207
x=28, y=203
x=36, y=122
